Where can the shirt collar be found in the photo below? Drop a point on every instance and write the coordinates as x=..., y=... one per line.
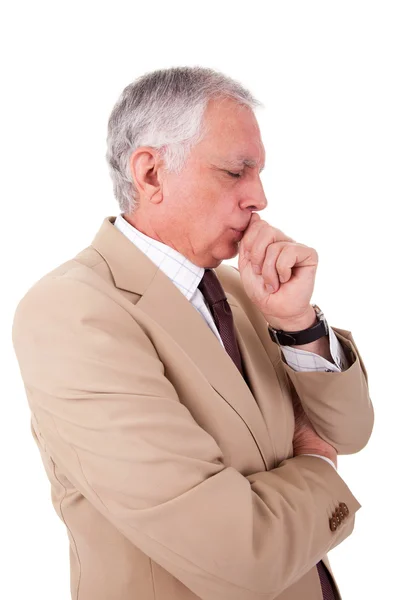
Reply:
x=180, y=270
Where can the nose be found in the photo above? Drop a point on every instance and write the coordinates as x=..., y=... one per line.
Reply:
x=254, y=197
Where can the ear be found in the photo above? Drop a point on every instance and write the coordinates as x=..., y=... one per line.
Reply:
x=145, y=164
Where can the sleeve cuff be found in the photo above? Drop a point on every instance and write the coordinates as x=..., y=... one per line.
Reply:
x=303, y=360
x=324, y=458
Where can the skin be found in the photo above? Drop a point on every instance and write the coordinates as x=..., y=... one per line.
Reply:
x=197, y=211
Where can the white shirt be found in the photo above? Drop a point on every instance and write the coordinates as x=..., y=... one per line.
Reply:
x=187, y=276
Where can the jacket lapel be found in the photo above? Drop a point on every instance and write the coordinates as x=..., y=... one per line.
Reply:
x=163, y=302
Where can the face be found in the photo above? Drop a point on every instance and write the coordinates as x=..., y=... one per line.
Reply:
x=205, y=204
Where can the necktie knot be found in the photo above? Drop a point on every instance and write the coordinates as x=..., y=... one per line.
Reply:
x=211, y=288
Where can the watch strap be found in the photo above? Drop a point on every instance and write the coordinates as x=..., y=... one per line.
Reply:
x=305, y=336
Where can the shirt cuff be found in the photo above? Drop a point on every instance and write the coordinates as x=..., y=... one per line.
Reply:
x=324, y=458
x=303, y=360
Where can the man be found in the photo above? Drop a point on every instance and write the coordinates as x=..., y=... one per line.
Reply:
x=190, y=440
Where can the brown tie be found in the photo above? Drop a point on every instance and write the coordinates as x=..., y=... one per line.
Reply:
x=221, y=312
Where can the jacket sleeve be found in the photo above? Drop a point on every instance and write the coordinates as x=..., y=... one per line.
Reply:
x=337, y=404
x=113, y=423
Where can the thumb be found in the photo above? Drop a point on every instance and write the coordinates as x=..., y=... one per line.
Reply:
x=254, y=217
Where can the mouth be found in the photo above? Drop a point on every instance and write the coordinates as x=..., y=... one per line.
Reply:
x=241, y=228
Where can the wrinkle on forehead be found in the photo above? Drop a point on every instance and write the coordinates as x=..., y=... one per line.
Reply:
x=243, y=162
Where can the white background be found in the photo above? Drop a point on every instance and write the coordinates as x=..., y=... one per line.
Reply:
x=328, y=74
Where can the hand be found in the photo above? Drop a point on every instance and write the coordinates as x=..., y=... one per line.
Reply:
x=305, y=439
x=268, y=257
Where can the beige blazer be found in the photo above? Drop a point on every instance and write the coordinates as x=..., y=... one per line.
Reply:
x=175, y=481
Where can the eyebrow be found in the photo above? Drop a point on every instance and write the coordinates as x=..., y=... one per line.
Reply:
x=243, y=162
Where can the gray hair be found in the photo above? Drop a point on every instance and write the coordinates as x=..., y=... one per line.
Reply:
x=163, y=109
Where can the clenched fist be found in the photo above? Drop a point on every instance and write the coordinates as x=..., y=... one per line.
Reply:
x=278, y=275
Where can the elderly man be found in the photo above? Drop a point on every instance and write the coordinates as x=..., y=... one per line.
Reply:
x=189, y=414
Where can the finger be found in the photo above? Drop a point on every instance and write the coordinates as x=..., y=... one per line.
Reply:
x=293, y=255
x=255, y=217
x=285, y=261
x=252, y=232
x=258, y=241
x=268, y=271
x=250, y=236
x=243, y=254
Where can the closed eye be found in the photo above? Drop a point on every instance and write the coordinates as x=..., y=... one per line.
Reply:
x=237, y=175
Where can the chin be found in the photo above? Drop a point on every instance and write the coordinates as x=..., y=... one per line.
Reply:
x=223, y=251
x=227, y=255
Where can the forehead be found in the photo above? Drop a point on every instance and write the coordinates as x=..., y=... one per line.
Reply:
x=232, y=134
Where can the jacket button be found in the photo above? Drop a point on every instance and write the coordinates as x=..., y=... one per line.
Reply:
x=339, y=513
x=338, y=521
x=333, y=524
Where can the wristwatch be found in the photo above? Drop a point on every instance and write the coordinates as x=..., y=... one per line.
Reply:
x=298, y=338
